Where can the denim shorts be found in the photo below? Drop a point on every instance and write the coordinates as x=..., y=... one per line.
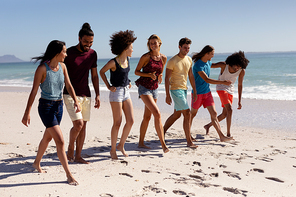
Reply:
x=50, y=112
x=121, y=94
x=180, y=99
x=144, y=91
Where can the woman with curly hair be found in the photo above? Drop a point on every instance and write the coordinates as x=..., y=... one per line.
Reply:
x=121, y=45
x=150, y=69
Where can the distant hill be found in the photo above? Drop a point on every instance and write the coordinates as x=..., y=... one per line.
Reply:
x=9, y=58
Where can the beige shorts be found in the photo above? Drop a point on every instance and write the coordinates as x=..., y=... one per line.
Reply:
x=85, y=104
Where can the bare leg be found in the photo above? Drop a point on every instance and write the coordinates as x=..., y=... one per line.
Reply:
x=216, y=124
x=150, y=103
x=57, y=135
x=143, y=127
x=41, y=150
x=129, y=116
x=186, y=127
x=74, y=132
x=171, y=120
x=79, y=144
x=193, y=113
x=117, y=118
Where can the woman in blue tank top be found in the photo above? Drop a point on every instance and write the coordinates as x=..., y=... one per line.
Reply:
x=121, y=45
x=51, y=75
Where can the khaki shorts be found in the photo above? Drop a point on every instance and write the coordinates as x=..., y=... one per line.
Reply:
x=85, y=104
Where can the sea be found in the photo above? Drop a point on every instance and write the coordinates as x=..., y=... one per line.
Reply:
x=270, y=75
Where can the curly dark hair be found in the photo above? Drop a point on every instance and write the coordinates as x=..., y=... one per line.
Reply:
x=238, y=59
x=121, y=40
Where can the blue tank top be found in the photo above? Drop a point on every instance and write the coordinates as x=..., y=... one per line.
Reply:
x=51, y=88
x=119, y=77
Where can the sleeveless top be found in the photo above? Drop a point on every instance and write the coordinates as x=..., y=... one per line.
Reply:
x=151, y=67
x=226, y=75
x=119, y=77
x=51, y=88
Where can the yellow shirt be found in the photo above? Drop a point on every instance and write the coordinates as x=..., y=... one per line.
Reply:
x=180, y=68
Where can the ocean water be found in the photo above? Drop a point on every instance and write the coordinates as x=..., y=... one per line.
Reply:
x=269, y=76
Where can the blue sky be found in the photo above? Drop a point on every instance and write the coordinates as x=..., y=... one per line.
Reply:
x=27, y=26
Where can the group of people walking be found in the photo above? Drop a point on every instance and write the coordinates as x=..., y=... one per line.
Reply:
x=63, y=77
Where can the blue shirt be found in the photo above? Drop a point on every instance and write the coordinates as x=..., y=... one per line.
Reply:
x=202, y=87
x=51, y=88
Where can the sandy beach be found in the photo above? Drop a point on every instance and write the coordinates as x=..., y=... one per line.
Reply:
x=261, y=161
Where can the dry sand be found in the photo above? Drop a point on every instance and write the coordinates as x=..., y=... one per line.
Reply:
x=261, y=161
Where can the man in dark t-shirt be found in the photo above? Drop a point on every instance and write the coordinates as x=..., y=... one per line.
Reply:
x=81, y=58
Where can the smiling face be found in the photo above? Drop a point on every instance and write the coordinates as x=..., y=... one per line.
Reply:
x=62, y=55
x=235, y=68
x=184, y=50
x=154, y=45
x=85, y=43
x=210, y=55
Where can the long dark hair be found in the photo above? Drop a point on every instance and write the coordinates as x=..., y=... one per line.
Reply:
x=85, y=30
x=53, y=48
x=205, y=50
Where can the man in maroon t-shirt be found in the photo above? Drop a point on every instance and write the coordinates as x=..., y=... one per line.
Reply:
x=81, y=58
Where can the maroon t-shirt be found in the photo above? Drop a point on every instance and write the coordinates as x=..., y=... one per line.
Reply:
x=78, y=65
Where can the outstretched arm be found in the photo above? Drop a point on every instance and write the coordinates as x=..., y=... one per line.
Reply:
x=204, y=76
x=240, y=87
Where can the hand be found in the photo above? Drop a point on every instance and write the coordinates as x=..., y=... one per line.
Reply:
x=130, y=86
x=168, y=100
x=194, y=96
x=97, y=102
x=227, y=82
x=112, y=89
x=77, y=107
x=26, y=120
x=159, y=78
x=153, y=76
x=239, y=106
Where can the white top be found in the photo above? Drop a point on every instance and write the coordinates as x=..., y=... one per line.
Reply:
x=226, y=75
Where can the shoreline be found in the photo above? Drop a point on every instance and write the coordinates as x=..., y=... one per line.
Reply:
x=259, y=162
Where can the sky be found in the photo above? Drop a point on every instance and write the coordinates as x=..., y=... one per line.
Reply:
x=27, y=26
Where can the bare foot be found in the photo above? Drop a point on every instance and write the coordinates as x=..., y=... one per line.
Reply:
x=165, y=149
x=38, y=168
x=113, y=155
x=207, y=128
x=143, y=146
x=192, y=145
x=81, y=160
x=70, y=155
x=225, y=139
x=72, y=181
x=193, y=139
x=121, y=148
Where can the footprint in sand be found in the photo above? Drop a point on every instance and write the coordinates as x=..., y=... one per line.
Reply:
x=106, y=195
x=235, y=190
x=275, y=179
x=232, y=174
x=154, y=189
x=179, y=192
x=258, y=170
x=126, y=174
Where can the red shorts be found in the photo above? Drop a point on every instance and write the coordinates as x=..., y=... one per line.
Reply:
x=202, y=99
x=225, y=97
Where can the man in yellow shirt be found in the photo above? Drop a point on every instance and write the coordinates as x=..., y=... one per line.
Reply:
x=178, y=69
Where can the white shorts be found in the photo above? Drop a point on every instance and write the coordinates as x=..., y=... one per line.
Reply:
x=85, y=104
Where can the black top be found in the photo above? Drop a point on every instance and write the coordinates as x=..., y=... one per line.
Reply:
x=119, y=77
